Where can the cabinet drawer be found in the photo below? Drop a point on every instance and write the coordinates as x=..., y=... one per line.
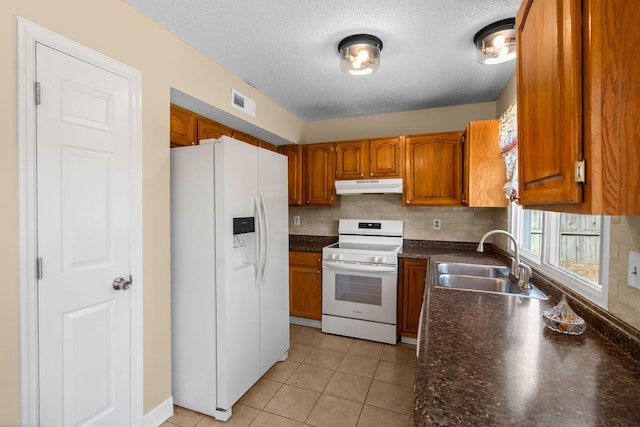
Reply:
x=309, y=259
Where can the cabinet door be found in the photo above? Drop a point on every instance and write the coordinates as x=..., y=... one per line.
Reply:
x=484, y=168
x=241, y=136
x=267, y=145
x=319, y=174
x=208, y=129
x=352, y=161
x=385, y=158
x=305, y=285
x=413, y=274
x=294, y=155
x=549, y=72
x=182, y=127
x=433, y=171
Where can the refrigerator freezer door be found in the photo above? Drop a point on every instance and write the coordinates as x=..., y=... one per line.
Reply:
x=193, y=292
x=274, y=292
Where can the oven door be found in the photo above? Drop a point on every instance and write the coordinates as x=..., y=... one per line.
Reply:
x=360, y=291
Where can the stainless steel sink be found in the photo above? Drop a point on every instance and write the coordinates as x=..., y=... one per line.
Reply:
x=476, y=270
x=484, y=284
x=482, y=278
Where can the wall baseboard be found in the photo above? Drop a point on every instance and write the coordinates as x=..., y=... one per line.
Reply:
x=305, y=322
x=159, y=414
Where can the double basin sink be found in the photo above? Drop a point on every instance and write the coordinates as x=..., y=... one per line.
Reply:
x=492, y=279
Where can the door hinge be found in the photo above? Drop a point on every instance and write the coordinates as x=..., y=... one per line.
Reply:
x=39, y=269
x=580, y=171
x=37, y=93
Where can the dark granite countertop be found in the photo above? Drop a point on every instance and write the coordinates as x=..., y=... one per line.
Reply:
x=303, y=243
x=488, y=360
x=411, y=248
x=424, y=249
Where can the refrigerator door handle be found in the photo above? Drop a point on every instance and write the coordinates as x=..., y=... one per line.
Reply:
x=264, y=240
x=256, y=209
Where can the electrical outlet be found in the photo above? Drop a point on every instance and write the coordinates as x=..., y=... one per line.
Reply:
x=634, y=270
x=296, y=220
x=437, y=225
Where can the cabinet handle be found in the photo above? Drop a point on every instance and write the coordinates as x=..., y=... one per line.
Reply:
x=371, y=174
x=408, y=201
x=193, y=143
x=318, y=271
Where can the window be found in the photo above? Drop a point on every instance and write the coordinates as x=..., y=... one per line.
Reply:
x=573, y=249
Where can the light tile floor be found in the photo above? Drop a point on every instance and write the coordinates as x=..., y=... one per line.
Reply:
x=327, y=380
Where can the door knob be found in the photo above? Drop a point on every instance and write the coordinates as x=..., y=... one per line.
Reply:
x=121, y=283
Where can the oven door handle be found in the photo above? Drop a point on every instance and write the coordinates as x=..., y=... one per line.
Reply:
x=359, y=267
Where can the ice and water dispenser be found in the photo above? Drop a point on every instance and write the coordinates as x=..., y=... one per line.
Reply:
x=244, y=241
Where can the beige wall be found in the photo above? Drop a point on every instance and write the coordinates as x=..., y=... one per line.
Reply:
x=113, y=28
x=507, y=96
x=403, y=123
x=458, y=224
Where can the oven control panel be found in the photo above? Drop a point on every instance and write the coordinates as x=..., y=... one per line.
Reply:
x=361, y=258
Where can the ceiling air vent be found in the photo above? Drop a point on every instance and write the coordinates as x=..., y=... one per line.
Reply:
x=243, y=103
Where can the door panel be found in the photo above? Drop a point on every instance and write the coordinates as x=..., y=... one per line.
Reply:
x=549, y=102
x=274, y=291
x=84, y=240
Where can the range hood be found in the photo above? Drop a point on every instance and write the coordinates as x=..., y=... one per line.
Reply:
x=368, y=186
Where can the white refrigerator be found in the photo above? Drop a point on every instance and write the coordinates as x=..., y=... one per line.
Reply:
x=229, y=271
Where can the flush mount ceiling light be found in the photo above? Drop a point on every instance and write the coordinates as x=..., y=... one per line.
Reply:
x=360, y=54
x=496, y=43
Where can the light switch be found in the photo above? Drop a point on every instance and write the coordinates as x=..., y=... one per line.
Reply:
x=634, y=270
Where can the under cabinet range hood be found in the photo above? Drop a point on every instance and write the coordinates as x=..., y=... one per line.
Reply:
x=368, y=186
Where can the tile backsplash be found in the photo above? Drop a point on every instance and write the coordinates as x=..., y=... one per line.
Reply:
x=624, y=301
x=459, y=224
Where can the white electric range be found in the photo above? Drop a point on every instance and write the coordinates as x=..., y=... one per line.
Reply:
x=359, y=280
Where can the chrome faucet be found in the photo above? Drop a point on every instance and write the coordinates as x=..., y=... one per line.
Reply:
x=516, y=265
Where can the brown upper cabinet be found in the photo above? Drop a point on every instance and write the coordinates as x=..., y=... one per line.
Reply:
x=188, y=128
x=245, y=137
x=579, y=99
x=318, y=174
x=208, y=129
x=183, y=127
x=311, y=174
x=484, y=169
x=294, y=155
x=385, y=157
x=267, y=145
x=369, y=158
x=352, y=159
x=433, y=169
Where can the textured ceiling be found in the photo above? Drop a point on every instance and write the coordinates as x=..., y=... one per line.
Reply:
x=287, y=49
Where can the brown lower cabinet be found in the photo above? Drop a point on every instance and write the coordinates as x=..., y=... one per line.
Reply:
x=411, y=282
x=305, y=285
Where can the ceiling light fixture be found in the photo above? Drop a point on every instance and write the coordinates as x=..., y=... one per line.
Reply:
x=360, y=54
x=496, y=43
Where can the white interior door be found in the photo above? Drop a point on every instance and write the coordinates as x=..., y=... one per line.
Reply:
x=84, y=241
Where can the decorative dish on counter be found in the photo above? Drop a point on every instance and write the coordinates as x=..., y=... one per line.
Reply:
x=561, y=318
